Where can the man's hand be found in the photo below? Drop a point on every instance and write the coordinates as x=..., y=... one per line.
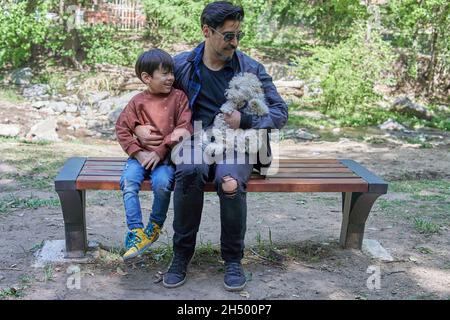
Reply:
x=233, y=120
x=146, y=137
x=148, y=159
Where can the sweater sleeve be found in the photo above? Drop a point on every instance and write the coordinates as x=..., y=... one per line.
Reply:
x=183, y=128
x=125, y=125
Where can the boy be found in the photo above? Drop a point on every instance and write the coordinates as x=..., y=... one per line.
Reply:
x=166, y=109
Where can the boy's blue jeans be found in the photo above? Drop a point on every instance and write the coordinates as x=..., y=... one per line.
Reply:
x=162, y=180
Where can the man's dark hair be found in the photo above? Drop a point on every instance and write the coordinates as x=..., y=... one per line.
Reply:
x=150, y=60
x=216, y=13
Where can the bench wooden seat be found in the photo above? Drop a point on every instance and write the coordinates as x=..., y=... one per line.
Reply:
x=359, y=187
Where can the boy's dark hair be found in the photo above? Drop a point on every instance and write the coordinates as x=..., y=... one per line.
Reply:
x=150, y=60
x=216, y=13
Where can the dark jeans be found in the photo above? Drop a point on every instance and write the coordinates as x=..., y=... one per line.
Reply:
x=188, y=205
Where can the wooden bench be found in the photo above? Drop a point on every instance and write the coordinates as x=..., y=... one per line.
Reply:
x=359, y=187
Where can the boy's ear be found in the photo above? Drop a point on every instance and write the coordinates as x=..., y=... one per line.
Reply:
x=145, y=77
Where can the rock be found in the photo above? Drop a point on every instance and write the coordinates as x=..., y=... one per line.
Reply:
x=22, y=76
x=336, y=130
x=39, y=104
x=96, y=97
x=35, y=91
x=112, y=104
x=392, y=125
x=9, y=130
x=443, y=109
x=290, y=88
x=78, y=123
x=72, y=84
x=72, y=108
x=376, y=250
x=58, y=106
x=114, y=115
x=304, y=135
x=405, y=106
x=44, y=130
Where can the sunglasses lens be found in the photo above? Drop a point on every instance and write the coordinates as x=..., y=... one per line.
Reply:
x=230, y=36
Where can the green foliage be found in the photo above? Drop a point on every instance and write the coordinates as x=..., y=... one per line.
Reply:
x=421, y=28
x=426, y=226
x=332, y=21
x=346, y=75
x=179, y=20
x=101, y=44
x=12, y=202
x=19, y=30
x=174, y=20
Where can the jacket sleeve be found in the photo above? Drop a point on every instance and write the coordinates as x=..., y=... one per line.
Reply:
x=125, y=125
x=183, y=128
x=278, y=110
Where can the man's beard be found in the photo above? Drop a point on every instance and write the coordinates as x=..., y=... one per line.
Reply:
x=224, y=57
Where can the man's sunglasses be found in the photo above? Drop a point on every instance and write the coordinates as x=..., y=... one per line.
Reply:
x=228, y=36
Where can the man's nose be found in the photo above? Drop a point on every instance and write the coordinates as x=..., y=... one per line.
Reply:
x=234, y=42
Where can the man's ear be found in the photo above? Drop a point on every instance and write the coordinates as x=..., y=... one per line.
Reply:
x=205, y=31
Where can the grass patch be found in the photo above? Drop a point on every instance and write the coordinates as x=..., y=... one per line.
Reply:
x=425, y=226
x=12, y=202
x=10, y=95
x=48, y=273
x=11, y=293
x=390, y=205
x=424, y=250
x=206, y=253
x=310, y=251
x=415, y=186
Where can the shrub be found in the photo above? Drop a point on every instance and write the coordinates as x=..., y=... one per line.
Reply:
x=344, y=76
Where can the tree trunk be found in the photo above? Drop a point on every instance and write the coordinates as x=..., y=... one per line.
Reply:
x=72, y=42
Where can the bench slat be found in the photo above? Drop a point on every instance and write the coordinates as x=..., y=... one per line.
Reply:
x=117, y=169
x=117, y=165
x=284, y=160
x=290, y=175
x=254, y=185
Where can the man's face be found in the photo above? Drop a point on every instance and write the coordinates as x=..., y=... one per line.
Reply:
x=224, y=49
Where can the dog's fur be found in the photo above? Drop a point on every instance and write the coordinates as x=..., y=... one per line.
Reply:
x=245, y=93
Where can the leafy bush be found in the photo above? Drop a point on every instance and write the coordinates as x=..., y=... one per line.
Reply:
x=20, y=30
x=344, y=76
x=101, y=44
x=172, y=20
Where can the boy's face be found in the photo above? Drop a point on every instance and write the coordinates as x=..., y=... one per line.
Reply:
x=223, y=49
x=160, y=82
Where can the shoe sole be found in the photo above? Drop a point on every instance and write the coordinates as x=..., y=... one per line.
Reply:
x=171, y=286
x=138, y=253
x=228, y=288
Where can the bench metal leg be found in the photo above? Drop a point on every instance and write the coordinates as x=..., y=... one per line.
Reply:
x=355, y=208
x=73, y=204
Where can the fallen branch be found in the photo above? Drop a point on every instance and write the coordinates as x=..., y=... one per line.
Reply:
x=10, y=269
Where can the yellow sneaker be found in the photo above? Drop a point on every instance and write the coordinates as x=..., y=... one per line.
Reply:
x=153, y=231
x=139, y=243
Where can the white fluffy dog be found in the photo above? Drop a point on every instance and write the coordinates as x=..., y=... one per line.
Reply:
x=245, y=93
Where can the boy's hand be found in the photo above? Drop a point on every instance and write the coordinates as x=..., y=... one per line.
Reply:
x=148, y=159
x=146, y=137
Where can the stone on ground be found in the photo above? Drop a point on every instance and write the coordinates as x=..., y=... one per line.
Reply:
x=374, y=249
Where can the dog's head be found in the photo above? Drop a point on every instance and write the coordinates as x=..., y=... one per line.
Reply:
x=243, y=87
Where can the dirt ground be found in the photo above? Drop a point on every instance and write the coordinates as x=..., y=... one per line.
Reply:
x=300, y=232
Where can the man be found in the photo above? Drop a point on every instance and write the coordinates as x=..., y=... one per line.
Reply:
x=203, y=75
